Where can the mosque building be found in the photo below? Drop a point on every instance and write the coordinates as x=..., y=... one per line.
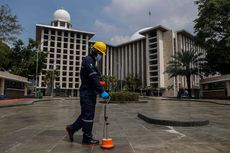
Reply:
x=146, y=55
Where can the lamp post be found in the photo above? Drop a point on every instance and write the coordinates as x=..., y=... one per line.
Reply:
x=36, y=80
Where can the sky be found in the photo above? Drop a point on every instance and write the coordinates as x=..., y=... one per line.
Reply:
x=112, y=21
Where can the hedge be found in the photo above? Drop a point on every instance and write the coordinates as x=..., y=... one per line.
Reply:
x=124, y=96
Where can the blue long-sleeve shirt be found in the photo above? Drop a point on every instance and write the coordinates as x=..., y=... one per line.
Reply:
x=90, y=76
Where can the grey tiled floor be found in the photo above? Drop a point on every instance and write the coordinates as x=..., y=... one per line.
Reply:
x=39, y=128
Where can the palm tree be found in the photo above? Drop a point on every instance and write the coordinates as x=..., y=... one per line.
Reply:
x=49, y=80
x=132, y=82
x=185, y=63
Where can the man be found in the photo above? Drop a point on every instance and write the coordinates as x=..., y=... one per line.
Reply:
x=90, y=86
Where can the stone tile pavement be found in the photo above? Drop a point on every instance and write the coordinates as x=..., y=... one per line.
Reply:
x=39, y=128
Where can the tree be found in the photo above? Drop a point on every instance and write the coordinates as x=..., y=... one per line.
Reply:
x=9, y=24
x=212, y=29
x=50, y=76
x=25, y=58
x=5, y=53
x=132, y=82
x=185, y=63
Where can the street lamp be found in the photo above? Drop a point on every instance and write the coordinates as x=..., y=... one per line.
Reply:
x=36, y=80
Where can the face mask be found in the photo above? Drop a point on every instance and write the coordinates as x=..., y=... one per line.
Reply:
x=98, y=57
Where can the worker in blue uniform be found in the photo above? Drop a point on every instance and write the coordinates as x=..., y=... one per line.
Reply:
x=90, y=87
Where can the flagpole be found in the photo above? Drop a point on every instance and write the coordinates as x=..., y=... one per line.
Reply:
x=149, y=17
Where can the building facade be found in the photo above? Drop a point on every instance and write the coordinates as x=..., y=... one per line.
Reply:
x=146, y=55
x=13, y=86
x=66, y=47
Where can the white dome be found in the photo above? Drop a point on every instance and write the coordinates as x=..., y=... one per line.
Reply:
x=61, y=15
x=137, y=35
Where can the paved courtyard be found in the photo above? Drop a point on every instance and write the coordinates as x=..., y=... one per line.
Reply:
x=39, y=128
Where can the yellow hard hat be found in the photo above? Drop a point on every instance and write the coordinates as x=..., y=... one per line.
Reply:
x=100, y=46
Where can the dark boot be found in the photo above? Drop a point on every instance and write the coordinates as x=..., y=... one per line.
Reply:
x=70, y=133
x=90, y=141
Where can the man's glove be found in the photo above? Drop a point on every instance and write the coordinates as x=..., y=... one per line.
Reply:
x=104, y=95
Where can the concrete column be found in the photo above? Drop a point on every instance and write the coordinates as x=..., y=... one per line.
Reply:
x=25, y=89
x=228, y=87
x=2, y=86
x=147, y=61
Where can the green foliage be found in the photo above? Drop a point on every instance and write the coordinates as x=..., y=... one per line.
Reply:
x=9, y=25
x=25, y=58
x=132, y=82
x=124, y=96
x=110, y=81
x=5, y=53
x=186, y=63
x=212, y=29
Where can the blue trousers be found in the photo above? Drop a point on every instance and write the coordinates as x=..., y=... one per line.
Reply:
x=85, y=119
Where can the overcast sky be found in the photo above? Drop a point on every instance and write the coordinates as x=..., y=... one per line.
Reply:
x=112, y=21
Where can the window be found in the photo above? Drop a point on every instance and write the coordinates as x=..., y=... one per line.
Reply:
x=78, y=41
x=46, y=31
x=59, y=33
x=66, y=39
x=64, y=85
x=70, y=85
x=64, y=67
x=62, y=24
x=71, y=52
x=65, y=51
x=51, y=55
x=45, y=43
x=59, y=38
x=52, y=32
x=59, y=45
x=52, y=44
x=71, y=68
x=70, y=62
x=64, y=74
x=51, y=61
x=52, y=37
x=45, y=36
x=70, y=79
x=65, y=45
x=71, y=46
x=66, y=34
